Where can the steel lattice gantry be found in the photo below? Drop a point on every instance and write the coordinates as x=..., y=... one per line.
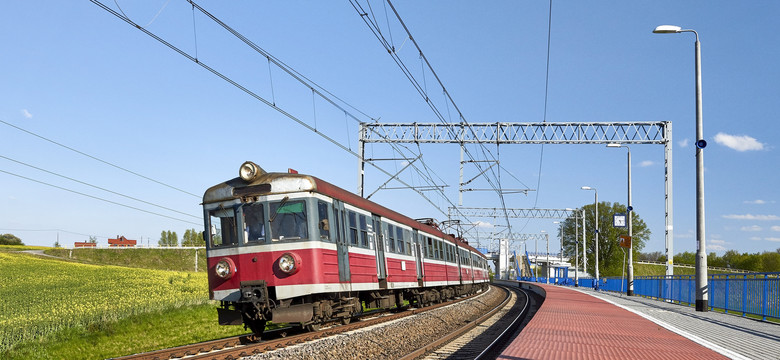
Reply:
x=659, y=133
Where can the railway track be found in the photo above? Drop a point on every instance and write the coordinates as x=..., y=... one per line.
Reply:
x=247, y=345
x=488, y=335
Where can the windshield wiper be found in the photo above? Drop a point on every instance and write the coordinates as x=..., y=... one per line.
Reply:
x=281, y=203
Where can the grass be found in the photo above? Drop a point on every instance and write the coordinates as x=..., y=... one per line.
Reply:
x=144, y=258
x=43, y=295
x=22, y=247
x=135, y=334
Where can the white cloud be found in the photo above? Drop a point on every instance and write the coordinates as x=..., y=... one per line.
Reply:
x=647, y=163
x=751, y=228
x=683, y=143
x=775, y=228
x=772, y=239
x=755, y=202
x=483, y=224
x=751, y=217
x=738, y=142
x=26, y=114
x=755, y=238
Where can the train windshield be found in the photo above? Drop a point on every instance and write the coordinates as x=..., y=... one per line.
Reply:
x=288, y=220
x=222, y=223
x=254, y=223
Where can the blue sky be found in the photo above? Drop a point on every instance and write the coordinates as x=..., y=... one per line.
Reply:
x=77, y=75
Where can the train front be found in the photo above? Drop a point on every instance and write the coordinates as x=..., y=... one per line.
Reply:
x=260, y=238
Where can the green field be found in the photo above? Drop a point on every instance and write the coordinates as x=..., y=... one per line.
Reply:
x=50, y=305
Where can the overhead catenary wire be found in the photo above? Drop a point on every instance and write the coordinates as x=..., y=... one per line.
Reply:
x=282, y=66
x=422, y=89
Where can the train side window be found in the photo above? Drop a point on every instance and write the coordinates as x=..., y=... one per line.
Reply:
x=436, y=247
x=399, y=235
x=288, y=220
x=353, y=232
x=324, y=220
x=254, y=223
x=223, y=228
x=363, y=231
x=429, y=249
x=408, y=240
x=390, y=238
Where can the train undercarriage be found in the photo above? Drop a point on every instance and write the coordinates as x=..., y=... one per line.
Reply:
x=256, y=306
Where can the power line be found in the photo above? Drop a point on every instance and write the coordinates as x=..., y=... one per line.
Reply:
x=99, y=198
x=98, y=187
x=100, y=160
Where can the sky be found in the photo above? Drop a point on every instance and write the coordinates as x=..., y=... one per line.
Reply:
x=105, y=131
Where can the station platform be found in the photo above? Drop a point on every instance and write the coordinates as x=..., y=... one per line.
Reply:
x=576, y=323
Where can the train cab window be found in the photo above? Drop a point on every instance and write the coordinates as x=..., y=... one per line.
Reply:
x=390, y=238
x=254, y=223
x=323, y=225
x=222, y=224
x=288, y=220
x=363, y=231
x=353, y=232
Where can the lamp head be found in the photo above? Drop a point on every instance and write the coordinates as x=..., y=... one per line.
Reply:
x=586, y=188
x=667, y=29
x=613, y=145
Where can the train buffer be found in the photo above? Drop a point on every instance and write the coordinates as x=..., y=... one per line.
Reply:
x=584, y=324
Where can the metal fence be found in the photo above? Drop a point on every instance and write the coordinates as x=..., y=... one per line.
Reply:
x=755, y=294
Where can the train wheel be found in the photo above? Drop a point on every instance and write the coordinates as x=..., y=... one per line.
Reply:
x=313, y=327
x=345, y=320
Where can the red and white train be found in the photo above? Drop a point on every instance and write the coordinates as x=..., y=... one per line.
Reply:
x=291, y=248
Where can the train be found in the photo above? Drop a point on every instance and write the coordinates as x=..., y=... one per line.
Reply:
x=291, y=248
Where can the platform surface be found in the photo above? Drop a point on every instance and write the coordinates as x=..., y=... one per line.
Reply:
x=585, y=324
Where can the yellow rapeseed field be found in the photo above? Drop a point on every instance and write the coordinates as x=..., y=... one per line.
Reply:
x=39, y=295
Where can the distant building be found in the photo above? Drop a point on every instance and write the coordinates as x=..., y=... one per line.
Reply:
x=121, y=241
x=85, y=244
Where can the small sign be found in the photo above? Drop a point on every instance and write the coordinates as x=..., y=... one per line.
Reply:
x=625, y=241
x=619, y=220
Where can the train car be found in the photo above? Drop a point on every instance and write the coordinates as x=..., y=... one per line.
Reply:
x=291, y=248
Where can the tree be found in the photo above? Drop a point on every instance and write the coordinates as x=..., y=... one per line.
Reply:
x=168, y=238
x=93, y=239
x=610, y=253
x=57, y=244
x=192, y=238
x=8, y=239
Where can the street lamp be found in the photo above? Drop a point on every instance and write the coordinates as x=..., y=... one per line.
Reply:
x=596, y=205
x=701, y=254
x=629, y=210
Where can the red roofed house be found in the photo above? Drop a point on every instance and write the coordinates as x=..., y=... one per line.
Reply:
x=84, y=244
x=121, y=241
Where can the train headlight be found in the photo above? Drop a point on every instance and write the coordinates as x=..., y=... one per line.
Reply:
x=289, y=263
x=225, y=268
x=250, y=171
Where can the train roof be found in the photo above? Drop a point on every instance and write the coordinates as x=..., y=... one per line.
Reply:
x=281, y=183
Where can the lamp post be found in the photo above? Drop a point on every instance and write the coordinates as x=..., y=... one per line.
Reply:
x=596, y=206
x=702, y=295
x=547, y=257
x=629, y=210
x=576, y=249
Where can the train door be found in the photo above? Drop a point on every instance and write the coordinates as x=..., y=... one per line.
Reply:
x=418, y=256
x=342, y=248
x=378, y=235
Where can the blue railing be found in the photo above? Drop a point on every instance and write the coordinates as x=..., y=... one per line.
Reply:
x=754, y=294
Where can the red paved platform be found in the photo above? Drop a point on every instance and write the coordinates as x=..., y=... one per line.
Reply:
x=575, y=325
